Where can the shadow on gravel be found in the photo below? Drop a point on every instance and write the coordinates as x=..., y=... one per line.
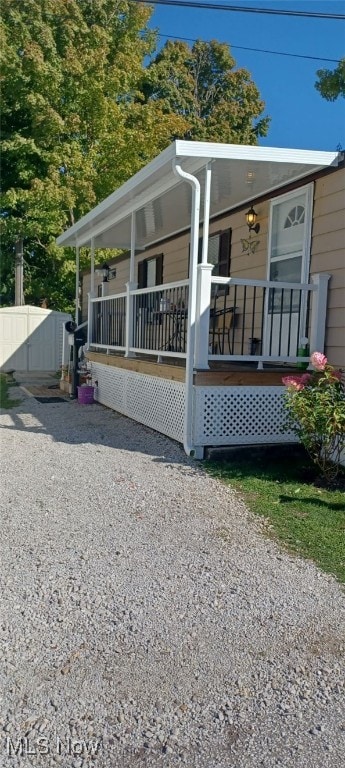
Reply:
x=67, y=421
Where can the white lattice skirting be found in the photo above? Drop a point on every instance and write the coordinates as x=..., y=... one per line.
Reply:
x=157, y=403
x=221, y=415
x=239, y=416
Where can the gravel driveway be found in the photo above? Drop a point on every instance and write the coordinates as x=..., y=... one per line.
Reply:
x=146, y=620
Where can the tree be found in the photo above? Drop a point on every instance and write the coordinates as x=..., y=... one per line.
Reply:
x=331, y=83
x=219, y=102
x=81, y=114
x=72, y=126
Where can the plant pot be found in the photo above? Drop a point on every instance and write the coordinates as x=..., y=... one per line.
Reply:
x=86, y=395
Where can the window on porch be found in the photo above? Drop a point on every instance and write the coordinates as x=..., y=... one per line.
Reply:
x=150, y=272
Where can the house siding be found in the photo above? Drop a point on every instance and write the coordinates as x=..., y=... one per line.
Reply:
x=328, y=256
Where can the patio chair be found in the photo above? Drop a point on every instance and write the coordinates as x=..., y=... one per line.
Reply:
x=222, y=321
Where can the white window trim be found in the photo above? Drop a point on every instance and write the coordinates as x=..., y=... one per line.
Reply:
x=306, y=251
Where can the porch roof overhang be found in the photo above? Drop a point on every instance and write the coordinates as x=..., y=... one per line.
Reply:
x=162, y=201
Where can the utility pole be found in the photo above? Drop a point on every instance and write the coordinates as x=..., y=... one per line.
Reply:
x=19, y=274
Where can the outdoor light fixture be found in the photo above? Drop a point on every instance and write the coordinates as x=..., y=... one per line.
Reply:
x=104, y=270
x=251, y=217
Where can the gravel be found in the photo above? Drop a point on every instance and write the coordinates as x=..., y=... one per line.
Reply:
x=146, y=619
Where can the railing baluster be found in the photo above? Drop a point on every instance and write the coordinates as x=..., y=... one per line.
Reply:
x=244, y=316
x=299, y=319
x=281, y=321
x=290, y=320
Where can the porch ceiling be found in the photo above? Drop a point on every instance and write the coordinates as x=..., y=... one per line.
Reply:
x=162, y=201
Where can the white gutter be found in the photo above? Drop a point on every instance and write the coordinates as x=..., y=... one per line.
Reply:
x=193, y=263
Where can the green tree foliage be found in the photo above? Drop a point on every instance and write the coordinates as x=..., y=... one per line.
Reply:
x=331, y=83
x=219, y=102
x=73, y=128
x=81, y=114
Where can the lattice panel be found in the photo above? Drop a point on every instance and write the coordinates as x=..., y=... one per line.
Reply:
x=157, y=403
x=239, y=416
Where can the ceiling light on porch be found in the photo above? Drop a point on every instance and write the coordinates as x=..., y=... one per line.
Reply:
x=251, y=217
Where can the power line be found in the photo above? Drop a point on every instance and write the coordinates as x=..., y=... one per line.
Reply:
x=258, y=50
x=243, y=9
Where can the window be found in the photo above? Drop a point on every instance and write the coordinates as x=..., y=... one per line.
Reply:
x=219, y=247
x=150, y=272
x=219, y=251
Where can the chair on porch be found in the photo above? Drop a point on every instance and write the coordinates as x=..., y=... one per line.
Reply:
x=222, y=322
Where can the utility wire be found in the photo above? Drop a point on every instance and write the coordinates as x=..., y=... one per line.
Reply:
x=258, y=50
x=244, y=9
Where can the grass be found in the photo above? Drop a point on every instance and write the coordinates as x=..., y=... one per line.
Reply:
x=5, y=400
x=308, y=519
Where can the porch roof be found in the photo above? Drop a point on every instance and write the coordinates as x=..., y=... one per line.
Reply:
x=162, y=201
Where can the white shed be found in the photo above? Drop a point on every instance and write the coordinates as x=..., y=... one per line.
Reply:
x=31, y=338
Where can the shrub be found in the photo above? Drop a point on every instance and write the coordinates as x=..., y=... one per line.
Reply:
x=315, y=403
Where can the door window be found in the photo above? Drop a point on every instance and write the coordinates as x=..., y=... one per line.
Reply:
x=289, y=246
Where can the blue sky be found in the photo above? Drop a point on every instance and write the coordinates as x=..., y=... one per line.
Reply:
x=301, y=119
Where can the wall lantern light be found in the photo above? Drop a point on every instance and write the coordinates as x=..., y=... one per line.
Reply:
x=104, y=271
x=251, y=217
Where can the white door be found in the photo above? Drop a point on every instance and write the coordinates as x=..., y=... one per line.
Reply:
x=288, y=261
x=41, y=343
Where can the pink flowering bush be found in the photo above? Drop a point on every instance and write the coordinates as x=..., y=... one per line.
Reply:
x=318, y=361
x=315, y=405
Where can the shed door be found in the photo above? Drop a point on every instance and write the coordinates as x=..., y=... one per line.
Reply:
x=288, y=261
x=42, y=343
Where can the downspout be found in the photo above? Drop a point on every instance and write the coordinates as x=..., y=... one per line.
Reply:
x=193, y=263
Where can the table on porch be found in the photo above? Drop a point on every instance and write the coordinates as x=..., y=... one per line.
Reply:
x=174, y=323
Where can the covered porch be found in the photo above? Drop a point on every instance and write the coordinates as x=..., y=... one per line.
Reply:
x=206, y=327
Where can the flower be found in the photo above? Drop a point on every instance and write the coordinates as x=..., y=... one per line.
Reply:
x=293, y=382
x=318, y=361
x=337, y=375
x=305, y=379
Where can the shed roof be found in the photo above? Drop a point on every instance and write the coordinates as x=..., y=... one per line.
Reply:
x=162, y=201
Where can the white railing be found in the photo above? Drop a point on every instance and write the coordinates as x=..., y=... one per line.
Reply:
x=266, y=320
x=154, y=325
x=237, y=319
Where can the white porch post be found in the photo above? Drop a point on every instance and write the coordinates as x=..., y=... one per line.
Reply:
x=77, y=284
x=92, y=281
x=203, y=287
x=132, y=257
x=202, y=320
x=319, y=313
x=90, y=308
x=206, y=225
x=131, y=286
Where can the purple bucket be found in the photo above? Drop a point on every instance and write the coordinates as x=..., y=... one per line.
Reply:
x=85, y=395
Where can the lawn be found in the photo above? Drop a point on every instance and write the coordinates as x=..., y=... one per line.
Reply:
x=306, y=517
x=5, y=400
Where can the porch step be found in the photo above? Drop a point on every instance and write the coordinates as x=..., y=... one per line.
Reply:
x=283, y=450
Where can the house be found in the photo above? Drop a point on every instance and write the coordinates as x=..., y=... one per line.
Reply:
x=232, y=269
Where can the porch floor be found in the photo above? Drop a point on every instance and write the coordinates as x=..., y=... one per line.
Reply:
x=225, y=373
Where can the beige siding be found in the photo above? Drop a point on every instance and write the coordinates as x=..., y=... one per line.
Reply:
x=328, y=255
